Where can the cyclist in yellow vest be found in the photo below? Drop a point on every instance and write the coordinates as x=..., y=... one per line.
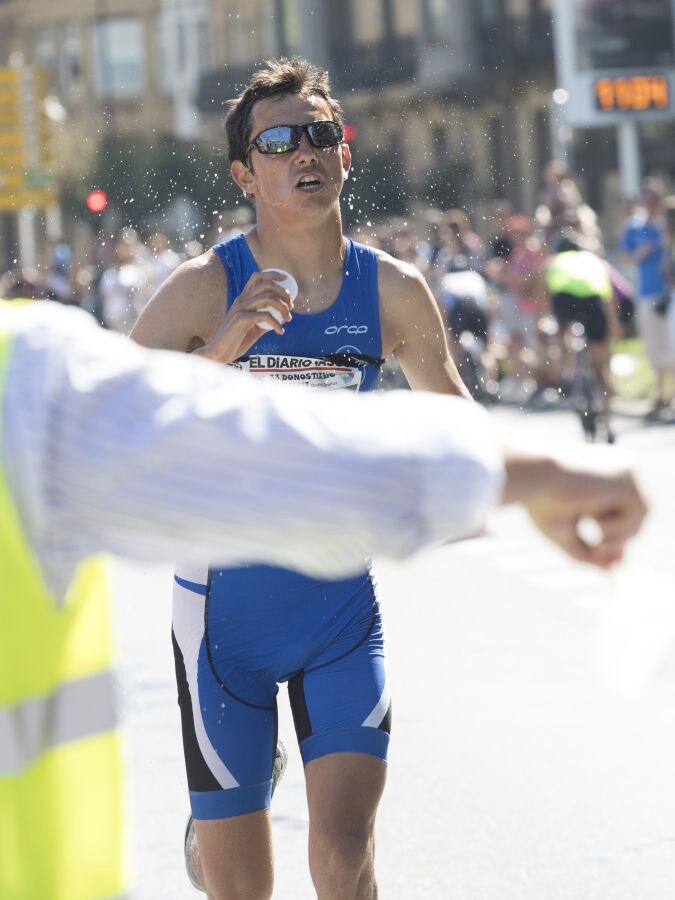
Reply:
x=106, y=446
x=580, y=289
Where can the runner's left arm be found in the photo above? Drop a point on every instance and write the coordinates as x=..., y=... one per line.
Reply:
x=412, y=328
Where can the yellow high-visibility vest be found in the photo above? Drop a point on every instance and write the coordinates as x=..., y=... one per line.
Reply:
x=61, y=816
x=580, y=273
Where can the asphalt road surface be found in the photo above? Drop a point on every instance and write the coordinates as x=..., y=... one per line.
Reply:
x=520, y=766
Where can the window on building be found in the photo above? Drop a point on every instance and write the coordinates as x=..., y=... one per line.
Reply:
x=266, y=25
x=70, y=63
x=497, y=163
x=519, y=9
x=439, y=16
x=242, y=38
x=369, y=21
x=488, y=11
x=340, y=23
x=204, y=45
x=185, y=47
x=44, y=51
x=181, y=46
x=288, y=17
x=542, y=138
x=161, y=67
x=407, y=18
x=440, y=145
x=235, y=39
x=118, y=57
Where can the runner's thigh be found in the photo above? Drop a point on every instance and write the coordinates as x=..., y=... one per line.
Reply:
x=229, y=743
x=341, y=701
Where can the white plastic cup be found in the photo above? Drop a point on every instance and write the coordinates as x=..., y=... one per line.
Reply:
x=290, y=285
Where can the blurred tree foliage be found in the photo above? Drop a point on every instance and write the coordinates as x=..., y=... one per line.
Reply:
x=449, y=187
x=378, y=188
x=142, y=178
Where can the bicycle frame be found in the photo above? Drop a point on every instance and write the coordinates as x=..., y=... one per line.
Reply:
x=586, y=394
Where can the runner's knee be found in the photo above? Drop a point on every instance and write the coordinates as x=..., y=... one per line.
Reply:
x=341, y=862
x=239, y=884
x=341, y=845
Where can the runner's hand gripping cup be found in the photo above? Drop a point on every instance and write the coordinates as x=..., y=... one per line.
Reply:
x=290, y=285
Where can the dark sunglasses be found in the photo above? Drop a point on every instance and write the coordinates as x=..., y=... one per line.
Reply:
x=286, y=138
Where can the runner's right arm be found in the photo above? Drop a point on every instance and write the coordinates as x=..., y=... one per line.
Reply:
x=189, y=311
x=186, y=308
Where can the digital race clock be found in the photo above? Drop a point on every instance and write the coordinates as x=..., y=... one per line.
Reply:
x=632, y=93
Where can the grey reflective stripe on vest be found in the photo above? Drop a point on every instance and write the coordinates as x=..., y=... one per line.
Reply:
x=77, y=709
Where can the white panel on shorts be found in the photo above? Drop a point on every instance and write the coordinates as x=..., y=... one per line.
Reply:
x=188, y=627
x=379, y=711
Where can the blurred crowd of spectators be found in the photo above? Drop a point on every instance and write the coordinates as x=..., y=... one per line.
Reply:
x=500, y=268
x=114, y=287
x=501, y=275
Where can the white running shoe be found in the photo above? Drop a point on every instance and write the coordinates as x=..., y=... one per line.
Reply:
x=189, y=849
x=279, y=765
x=190, y=839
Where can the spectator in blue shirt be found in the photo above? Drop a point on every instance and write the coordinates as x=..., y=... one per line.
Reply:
x=644, y=243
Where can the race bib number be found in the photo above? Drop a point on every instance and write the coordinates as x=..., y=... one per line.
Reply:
x=323, y=373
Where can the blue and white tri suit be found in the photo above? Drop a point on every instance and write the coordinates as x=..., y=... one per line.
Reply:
x=238, y=632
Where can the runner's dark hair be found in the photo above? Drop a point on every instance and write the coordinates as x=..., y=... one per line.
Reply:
x=279, y=78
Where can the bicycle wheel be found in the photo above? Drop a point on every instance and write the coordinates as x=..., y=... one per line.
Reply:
x=593, y=410
x=584, y=398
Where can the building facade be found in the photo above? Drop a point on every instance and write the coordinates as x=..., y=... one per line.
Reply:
x=453, y=93
x=102, y=58
x=456, y=91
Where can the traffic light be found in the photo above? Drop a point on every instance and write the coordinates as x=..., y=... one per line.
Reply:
x=97, y=200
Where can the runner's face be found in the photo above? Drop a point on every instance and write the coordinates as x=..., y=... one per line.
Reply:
x=305, y=179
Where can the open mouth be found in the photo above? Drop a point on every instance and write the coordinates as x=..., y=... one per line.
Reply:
x=309, y=183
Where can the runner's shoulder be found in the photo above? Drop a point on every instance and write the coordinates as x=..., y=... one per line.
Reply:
x=205, y=274
x=404, y=300
x=189, y=303
x=397, y=278
x=197, y=287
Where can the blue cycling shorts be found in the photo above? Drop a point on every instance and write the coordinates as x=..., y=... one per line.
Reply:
x=238, y=633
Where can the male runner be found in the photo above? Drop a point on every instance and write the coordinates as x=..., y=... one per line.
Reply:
x=238, y=632
x=105, y=446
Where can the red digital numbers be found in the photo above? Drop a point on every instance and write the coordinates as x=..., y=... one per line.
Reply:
x=634, y=94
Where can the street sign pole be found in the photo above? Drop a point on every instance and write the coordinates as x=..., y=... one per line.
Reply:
x=630, y=163
x=53, y=222
x=28, y=255
x=561, y=133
